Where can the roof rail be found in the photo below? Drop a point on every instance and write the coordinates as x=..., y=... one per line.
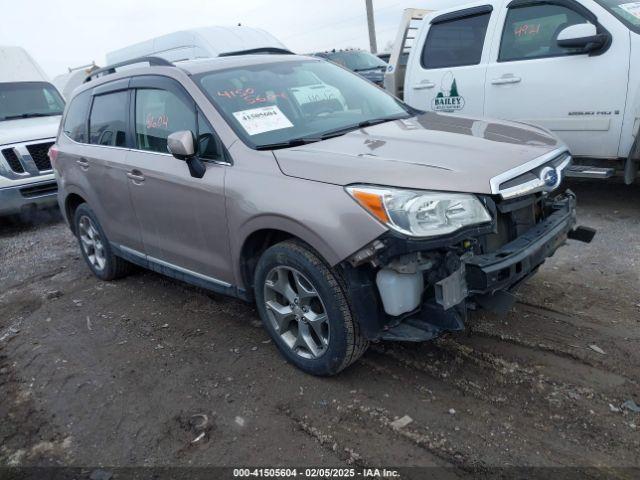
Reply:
x=252, y=51
x=109, y=69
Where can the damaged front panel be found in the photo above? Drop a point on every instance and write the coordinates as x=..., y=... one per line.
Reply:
x=417, y=289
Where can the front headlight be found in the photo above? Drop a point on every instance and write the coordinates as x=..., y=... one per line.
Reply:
x=420, y=213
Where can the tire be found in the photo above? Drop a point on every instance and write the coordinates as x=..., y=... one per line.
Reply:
x=317, y=332
x=96, y=251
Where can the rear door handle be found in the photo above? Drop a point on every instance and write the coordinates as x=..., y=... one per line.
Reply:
x=424, y=85
x=136, y=176
x=84, y=165
x=506, y=79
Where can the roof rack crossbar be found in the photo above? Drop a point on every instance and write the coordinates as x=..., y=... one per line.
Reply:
x=251, y=51
x=109, y=69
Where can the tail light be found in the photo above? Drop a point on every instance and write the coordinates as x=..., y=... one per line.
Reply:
x=53, y=155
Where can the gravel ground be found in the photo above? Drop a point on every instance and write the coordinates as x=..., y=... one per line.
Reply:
x=147, y=371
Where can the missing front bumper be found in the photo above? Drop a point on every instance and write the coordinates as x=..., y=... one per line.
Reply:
x=512, y=263
x=455, y=277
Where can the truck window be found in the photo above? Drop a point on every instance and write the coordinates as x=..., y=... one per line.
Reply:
x=75, y=121
x=532, y=32
x=108, y=119
x=455, y=43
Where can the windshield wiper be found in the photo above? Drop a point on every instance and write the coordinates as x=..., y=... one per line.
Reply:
x=351, y=128
x=294, y=142
x=379, y=67
x=31, y=115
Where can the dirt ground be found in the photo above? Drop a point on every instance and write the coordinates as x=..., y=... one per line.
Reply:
x=147, y=371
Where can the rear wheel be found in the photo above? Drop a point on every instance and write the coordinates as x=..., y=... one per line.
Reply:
x=95, y=246
x=305, y=310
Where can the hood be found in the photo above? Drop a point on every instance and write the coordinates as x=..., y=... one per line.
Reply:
x=28, y=129
x=430, y=151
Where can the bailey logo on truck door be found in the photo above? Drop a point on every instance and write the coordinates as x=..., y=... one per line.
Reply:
x=448, y=99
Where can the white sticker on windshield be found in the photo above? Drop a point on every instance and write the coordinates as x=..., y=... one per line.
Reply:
x=632, y=8
x=263, y=119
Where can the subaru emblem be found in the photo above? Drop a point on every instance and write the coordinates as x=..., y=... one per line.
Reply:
x=549, y=176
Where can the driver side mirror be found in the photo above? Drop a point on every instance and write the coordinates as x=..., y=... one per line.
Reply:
x=582, y=35
x=182, y=146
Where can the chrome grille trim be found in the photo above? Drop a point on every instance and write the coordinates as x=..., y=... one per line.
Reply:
x=536, y=185
x=24, y=156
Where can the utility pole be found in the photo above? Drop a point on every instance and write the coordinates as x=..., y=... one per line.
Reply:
x=372, y=27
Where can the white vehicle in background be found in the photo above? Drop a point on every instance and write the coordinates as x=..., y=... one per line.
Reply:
x=206, y=42
x=66, y=83
x=402, y=46
x=30, y=111
x=570, y=66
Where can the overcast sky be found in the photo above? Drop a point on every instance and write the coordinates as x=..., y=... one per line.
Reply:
x=70, y=33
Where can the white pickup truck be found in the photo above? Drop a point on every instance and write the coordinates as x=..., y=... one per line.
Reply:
x=30, y=111
x=571, y=66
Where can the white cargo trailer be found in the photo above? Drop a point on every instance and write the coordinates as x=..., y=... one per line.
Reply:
x=204, y=42
x=67, y=82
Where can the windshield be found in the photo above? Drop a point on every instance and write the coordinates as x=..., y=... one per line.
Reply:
x=29, y=99
x=356, y=60
x=276, y=103
x=627, y=12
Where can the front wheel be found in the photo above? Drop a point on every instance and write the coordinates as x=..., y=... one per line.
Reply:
x=305, y=310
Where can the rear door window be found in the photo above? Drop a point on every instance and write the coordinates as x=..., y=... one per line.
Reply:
x=108, y=119
x=455, y=43
x=532, y=32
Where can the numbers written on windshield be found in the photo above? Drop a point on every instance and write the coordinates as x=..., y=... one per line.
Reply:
x=249, y=95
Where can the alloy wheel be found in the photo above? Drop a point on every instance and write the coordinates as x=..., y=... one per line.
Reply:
x=296, y=312
x=92, y=243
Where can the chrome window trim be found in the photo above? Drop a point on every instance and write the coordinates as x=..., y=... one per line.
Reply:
x=186, y=271
x=533, y=185
x=138, y=150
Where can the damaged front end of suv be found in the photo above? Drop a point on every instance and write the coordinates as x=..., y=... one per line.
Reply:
x=448, y=253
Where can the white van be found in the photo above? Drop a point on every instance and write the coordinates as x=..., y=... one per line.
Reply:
x=30, y=111
x=572, y=66
x=204, y=42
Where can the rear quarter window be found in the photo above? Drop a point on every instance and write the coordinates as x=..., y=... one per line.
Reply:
x=75, y=121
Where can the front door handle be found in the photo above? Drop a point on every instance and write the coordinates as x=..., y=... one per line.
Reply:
x=84, y=165
x=424, y=85
x=506, y=79
x=136, y=176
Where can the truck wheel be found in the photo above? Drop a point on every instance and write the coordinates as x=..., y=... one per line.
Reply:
x=305, y=310
x=95, y=246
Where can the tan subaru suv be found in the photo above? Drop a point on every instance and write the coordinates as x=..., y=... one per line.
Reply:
x=346, y=215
